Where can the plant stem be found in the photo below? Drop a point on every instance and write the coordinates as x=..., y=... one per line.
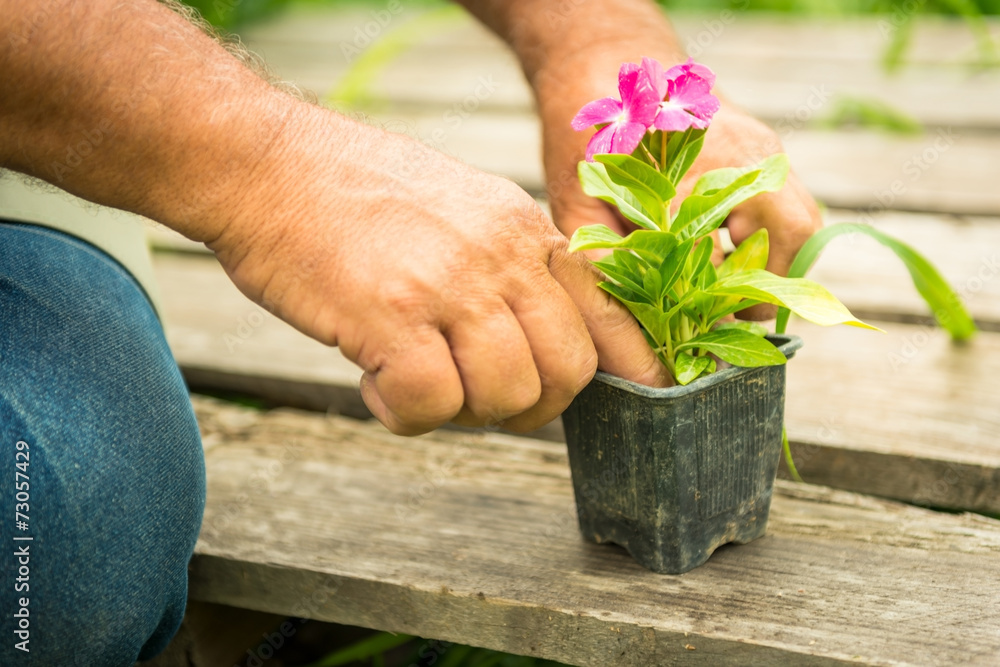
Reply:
x=652, y=160
x=663, y=151
x=788, y=455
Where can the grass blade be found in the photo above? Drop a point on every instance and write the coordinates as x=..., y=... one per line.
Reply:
x=945, y=304
x=365, y=649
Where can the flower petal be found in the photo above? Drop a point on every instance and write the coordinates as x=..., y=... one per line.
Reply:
x=627, y=137
x=691, y=92
x=691, y=67
x=604, y=110
x=673, y=117
x=703, y=71
x=627, y=78
x=601, y=142
x=654, y=71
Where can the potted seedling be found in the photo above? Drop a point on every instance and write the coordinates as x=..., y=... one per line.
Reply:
x=671, y=474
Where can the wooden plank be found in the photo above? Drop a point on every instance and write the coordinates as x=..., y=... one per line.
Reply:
x=945, y=171
x=920, y=407
x=472, y=538
x=773, y=66
x=872, y=280
x=862, y=273
x=906, y=415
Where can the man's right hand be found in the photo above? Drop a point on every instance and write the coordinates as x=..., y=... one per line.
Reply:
x=448, y=286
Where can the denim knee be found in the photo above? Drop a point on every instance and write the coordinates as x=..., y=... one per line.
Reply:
x=96, y=419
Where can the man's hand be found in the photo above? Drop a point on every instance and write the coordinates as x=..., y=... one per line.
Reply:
x=448, y=286
x=572, y=56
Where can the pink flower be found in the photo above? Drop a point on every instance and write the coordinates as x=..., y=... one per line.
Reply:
x=686, y=94
x=627, y=120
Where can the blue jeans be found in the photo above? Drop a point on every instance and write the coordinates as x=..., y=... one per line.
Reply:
x=102, y=475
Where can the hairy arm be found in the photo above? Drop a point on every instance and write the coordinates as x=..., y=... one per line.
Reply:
x=164, y=122
x=443, y=283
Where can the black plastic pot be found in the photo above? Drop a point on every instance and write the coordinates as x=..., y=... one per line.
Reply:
x=672, y=474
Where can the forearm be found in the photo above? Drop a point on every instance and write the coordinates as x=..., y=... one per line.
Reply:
x=579, y=32
x=129, y=105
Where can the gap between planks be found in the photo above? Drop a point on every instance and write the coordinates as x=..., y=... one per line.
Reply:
x=920, y=408
x=472, y=538
x=778, y=69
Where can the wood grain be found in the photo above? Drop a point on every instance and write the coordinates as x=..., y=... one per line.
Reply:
x=945, y=171
x=904, y=415
x=790, y=73
x=863, y=274
x=473, y=539
x=777, y=68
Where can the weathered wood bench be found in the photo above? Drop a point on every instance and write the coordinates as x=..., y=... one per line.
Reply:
x=472, y=537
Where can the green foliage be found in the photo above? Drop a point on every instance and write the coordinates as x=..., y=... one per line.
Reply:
x=945, y=304
x=374, y=651
x=367, y=649
x=663, y=273
x=867, y=112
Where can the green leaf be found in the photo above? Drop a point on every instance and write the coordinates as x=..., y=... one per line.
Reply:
x=944, y=303
x=672, y=268
x=738, y=347
x=774, y=171
x=805, y=298
x=755, y=328
x=700, y=214
x=682, y=150
x=701, y=257
x=650, y=186
x=597, y=183
x=593, y=236
x=651, y=317
x=624, y=268
x=652, y=246
x=751, y=254
x=652, y=284
x=364, y=649
x=688, y=368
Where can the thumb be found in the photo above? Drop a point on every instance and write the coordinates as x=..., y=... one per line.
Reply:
x=621, y=347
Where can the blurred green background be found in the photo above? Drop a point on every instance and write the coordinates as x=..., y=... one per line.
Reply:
x=233, y=13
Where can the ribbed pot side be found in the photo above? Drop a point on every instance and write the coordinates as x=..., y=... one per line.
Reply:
x=672, y=474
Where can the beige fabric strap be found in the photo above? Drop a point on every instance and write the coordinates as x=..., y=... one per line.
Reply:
x=119, y=234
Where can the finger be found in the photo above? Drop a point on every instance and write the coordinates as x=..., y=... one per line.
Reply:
x=718, y=253
x=790, y=216
x=495, y=363
x=565, y=362
x=416, y=386
x=622, y=350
